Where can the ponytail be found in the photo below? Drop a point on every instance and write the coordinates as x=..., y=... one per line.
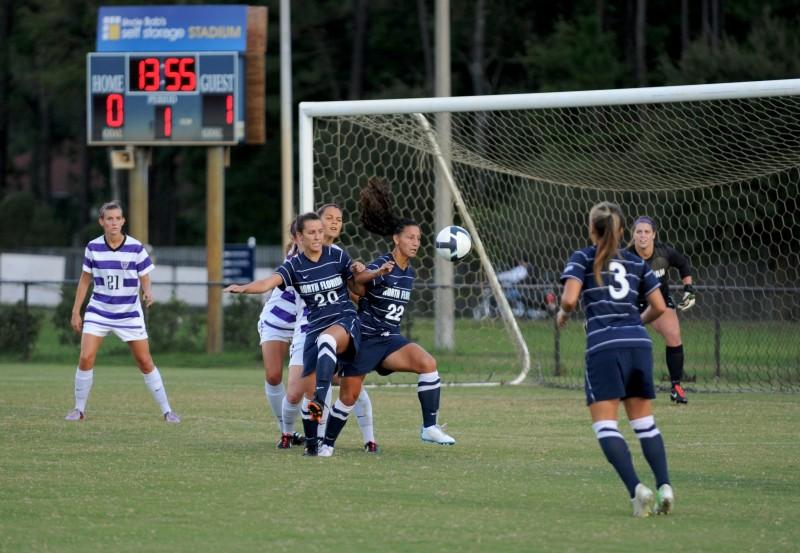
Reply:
x=605, y=222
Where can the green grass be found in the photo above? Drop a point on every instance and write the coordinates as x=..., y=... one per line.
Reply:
x=526, y=475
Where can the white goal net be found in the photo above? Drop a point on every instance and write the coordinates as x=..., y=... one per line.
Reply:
x=717, y=167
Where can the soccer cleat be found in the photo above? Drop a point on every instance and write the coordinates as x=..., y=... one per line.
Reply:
x=315, y=410
x=665, y=500
x=285, y=442
x=297, y=439
x=436, y=435
x=312, y=448
x=371, y=447
x=642, y=501
x=325, y=451
x=171, y=417
x=74, y=415
x=677, y=395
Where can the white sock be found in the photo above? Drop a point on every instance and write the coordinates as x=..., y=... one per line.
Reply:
x=325, y=412
x=275, y=396
x=83, y=385
x=363, y=411
x=156, y=387
x=289, y=415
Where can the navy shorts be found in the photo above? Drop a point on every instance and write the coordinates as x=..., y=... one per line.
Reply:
x=619, y=373
x=351, y=325
x=374, y=349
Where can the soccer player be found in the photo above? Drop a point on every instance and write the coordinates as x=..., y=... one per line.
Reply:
x=331, y=216
x=381, y=311
x=321, y=275
x=118, y=265
x=660, y=258
x=276, y=326
x=619, y=354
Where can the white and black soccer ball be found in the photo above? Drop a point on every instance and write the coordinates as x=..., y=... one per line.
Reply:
x=453, y=243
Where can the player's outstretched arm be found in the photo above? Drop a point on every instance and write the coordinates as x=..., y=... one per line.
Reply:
x=260, y=286
x=365, y=276
x=80, y=294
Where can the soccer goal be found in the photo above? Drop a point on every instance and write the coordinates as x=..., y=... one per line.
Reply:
x=717, y=167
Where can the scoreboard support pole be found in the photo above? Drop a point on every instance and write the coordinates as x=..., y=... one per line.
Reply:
x=215, y=240
x=138, y=195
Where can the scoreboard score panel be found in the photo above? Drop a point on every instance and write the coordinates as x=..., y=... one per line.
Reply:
x=164, y=98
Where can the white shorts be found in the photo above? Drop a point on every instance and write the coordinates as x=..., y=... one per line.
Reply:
x=124, y=334
x=269, y=333
x=296, y=351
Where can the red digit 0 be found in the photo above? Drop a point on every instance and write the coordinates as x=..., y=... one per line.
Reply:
x=115, y=113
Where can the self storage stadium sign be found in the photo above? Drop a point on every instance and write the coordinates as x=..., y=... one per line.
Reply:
x=167, y=75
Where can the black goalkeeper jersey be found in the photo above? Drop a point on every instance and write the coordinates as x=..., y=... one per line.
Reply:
x=663, y=258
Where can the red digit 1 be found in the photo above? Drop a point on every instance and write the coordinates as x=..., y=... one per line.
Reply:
x=167, y=122
x=229, y=109
x=172, y=74
x=187, y=74
x=148, y=74
x=115, y=113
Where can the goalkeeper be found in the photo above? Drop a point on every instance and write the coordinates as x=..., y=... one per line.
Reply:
x=661, y=257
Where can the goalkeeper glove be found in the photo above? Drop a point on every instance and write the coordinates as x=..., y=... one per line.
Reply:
x=688, y=298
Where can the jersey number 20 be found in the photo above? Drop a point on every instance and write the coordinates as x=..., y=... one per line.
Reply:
x=620, y=287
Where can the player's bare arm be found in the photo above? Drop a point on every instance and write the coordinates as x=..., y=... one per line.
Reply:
x=365, y=276
x=80, y=295
x=147, y=290
x=260, y=286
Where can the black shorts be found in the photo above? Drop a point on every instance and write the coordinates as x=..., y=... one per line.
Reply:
x=642, y=305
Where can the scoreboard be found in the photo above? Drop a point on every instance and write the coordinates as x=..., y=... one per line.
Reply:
x=161, y=98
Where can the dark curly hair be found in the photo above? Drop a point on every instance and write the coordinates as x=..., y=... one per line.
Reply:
x=377, y=213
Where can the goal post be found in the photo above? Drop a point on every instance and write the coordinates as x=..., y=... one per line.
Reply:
x=717, y=166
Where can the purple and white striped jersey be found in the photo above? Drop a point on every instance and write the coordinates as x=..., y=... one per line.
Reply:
x=116, y=271
x=280, y=310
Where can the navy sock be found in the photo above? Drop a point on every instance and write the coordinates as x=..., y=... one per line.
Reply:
x=429, y=391
x=675, y=363
x=336, y=421
x=326, y=364
x=653, y=447
x=616, y=451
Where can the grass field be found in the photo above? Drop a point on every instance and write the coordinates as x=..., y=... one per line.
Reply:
x=526, y=474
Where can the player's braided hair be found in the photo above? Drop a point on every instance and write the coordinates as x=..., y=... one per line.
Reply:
x=606, y=222
x=377, y=214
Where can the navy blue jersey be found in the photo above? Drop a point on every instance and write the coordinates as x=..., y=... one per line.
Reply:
x=322, y=284
x=386, y=299
x=612, y=316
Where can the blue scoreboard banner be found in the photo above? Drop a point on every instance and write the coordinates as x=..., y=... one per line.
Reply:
x=172, y=28
x=238, y=263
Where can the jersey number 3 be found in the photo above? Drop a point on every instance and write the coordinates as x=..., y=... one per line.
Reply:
x=620, y=287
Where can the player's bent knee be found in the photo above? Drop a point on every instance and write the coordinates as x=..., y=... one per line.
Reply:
x=428, y=364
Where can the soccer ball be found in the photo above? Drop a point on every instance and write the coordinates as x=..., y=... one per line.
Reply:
x=453, y=243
